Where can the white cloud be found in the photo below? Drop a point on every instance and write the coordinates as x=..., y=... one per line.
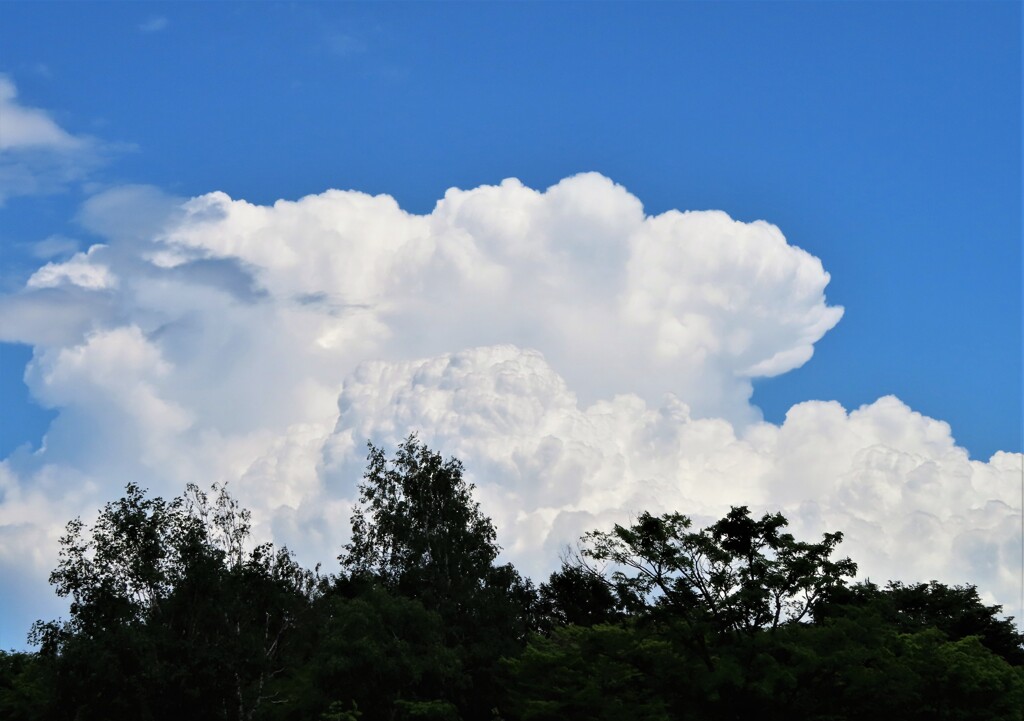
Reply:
x=22, y=127
x=212, y=340
x=79, y=270
x=698, y=301
x=36, y=154
x=912, y=503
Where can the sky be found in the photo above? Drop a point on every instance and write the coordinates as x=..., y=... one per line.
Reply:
x=614, y=256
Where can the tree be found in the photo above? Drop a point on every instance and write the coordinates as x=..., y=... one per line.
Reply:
x=418, y=531
x=371, y=649
x=576, y=595
x=169, y=613
x=602, y=672
x=739, y=574
x=957, y=611
x=25, y=685
x=417, y=528
x=860, y=666
x=124, y=567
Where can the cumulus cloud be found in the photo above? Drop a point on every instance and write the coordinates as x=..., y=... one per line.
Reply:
x=585, y=360
x=700, y=302
x=79, y=271
x=911, y=501
x=36, y=154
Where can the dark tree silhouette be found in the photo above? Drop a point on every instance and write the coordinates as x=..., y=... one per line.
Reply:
x=740, y=574
x=170, y=615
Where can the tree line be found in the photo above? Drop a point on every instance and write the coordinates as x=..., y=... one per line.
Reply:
x=175, y=614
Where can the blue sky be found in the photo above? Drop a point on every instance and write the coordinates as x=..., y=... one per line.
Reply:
x=882, y=138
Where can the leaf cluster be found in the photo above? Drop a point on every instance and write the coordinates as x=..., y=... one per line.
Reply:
x=740, y=574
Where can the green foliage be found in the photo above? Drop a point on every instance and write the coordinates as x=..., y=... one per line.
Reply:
x=840, y=670
x=340, y=712
x=24, y=686
x=124, y=567
x=168, y=611
x=739, y=574
x=419, y=533
x=417, y=528
x=960, y=679
x=576, y=595
x=864, y=668
x=957, y=611
x=435, y=710
x=599, y=672
x=372, y=649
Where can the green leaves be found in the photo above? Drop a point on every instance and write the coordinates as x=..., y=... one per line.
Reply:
x=575, y=595
x=599, y=672
x=123, y=568
x=418, y=532
x=417, y=527
x=957, y=611
x=740, y=574
x=170, y=610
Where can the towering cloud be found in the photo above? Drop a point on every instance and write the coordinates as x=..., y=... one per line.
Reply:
x=585, y=360
x=913, y=504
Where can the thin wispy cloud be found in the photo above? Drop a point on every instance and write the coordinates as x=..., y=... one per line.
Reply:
x=345, y=44
x=37, y=155
x=154, y=24
x=26, y=128
x=54, y=246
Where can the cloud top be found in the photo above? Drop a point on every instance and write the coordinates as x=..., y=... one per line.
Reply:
x=910, y=500
x=693, y=303
x=584, y=359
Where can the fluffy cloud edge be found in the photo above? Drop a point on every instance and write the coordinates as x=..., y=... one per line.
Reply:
x=216, y=340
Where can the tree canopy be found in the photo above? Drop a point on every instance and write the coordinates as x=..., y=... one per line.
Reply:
x=169, y=610
x=417, y=527
x=741, y=574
